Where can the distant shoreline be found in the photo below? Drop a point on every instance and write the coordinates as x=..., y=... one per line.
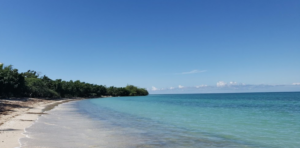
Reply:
x=21, y=114
x=227, y=93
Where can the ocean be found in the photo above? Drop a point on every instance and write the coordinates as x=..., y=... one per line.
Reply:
x=232, y=120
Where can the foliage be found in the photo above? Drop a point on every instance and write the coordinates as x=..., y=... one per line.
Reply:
x=30, y=84
x=11, y=82
x=129, y=90
x=135, y=91
x=37, y=88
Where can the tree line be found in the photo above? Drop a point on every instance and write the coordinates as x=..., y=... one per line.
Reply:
x=31, y=84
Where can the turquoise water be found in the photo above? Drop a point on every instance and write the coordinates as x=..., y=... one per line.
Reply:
x=270, y=120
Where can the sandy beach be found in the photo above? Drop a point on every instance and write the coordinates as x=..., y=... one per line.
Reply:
x=16, y=115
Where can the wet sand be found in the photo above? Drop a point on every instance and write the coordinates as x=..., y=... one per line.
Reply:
x=18, y=114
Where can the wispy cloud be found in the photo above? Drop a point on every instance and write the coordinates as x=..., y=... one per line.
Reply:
x=221, y=84
x=193, y=72
x=242, y=86
x=201, y=86
x=296, y=83
x=180, y=86
x=154, y=88
x=231, y=83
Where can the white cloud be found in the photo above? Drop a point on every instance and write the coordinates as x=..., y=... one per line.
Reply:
x=154, y=88
x=221, y=84
x=233, y=83
x=193, y=71
x=201, y=86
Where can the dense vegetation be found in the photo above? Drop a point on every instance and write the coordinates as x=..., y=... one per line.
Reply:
x=31, y=84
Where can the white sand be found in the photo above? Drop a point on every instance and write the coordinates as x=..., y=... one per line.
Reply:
x=15, y=122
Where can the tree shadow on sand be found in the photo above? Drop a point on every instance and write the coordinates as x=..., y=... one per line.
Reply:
x=9, y=130
x=8, y=107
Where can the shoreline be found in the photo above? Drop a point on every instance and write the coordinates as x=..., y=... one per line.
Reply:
x=14, y=121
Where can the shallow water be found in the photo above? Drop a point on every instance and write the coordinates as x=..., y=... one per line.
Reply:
x=270, y=120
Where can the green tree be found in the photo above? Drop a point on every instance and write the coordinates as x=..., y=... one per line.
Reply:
x=11, y=82
x=30, y=84
x=31, y=74
x=38, y=88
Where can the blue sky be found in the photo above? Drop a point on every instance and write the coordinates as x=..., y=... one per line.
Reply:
x=165, y=46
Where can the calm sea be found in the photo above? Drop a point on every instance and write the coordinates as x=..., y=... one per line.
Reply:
x=236, y=120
